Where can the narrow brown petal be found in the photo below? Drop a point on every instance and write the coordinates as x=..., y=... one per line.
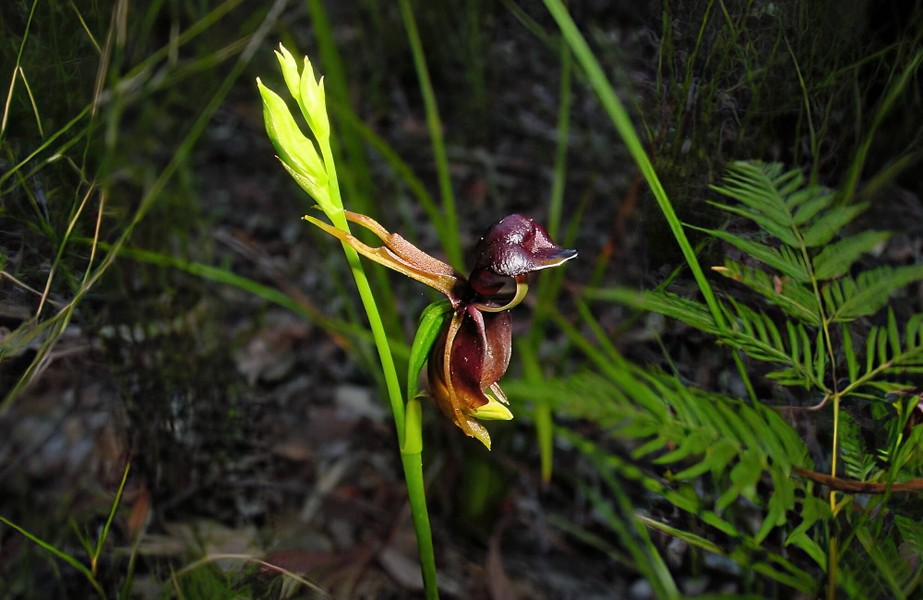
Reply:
x=398, y=254
x=402, y=248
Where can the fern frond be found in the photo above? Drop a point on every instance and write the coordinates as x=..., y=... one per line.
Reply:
x=887, y=352
x=762, y=187
x=783, y=259
x=849, y=352
x=892, y=571
x=858, y=462
x=816, y=201
x=687, y=427
x=800, y=216
x=756, y=334
x=690, y=312
x=824, y=229
x=837, y=258
x=849, y=298
x=912, y=532
x=813, y=510
x=796, y=300
x=782, y=232
x=800, y=359
x=688, y=433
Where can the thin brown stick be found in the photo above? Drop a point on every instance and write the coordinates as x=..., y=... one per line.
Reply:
x=851, y=486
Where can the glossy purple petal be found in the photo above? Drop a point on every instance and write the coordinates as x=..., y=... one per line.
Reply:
x=518, y=245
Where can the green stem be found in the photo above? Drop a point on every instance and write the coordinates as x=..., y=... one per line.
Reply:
x=350, y=149
x=412, y=459
x=411, y=445
x=47, y=546
x=392, y=384
x=413, y=474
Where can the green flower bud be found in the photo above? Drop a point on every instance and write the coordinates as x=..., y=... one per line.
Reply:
x=290, y=72
x=313, y=102
x=296, y=151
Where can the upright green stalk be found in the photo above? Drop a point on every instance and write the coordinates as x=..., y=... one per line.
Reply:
x=316, y=174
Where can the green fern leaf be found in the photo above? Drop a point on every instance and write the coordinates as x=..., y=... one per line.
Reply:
x=781, y=231
x=779, y=202
x=837, y=258
x=796, y=300
x=692, y=313
x=848, y=298
x=894, y=335
x=744, y=477
x=782, y=259
x=718, y=457
x=699, y=433
x=801, y=216
x=780, y=502
x=912, y=532
x=813, y=510
x=825, y=229
x=892, y=571
x=914, y=331
x=886, y=355
x=819, y=200
x=858, y=462
x=849, y=352
x=761, y=187
x=756, y=334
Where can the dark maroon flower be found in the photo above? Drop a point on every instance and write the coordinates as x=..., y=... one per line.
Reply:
x=465, y=365
x=473, y=350
x=518, y=245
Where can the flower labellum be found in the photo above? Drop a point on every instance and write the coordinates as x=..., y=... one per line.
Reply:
x=464, y=366
x=472, y=351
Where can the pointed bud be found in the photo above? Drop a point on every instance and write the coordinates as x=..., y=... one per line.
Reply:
x=313, y=102
x=297, y=153
x=290, y=72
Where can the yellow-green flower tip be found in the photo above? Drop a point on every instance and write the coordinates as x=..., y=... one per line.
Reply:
x=493, y=411
x=289, y=71
x=313, y=102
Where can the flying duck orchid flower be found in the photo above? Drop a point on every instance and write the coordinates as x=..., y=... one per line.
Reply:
x=472, y=351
